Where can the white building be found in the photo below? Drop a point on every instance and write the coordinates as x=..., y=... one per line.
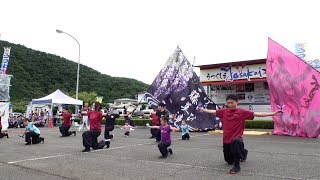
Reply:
x=246, y=79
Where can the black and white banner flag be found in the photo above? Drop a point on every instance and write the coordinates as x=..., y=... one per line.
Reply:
x=179, y=87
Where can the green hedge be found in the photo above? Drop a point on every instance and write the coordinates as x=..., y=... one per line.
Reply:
x=250, y=124
x=259, y=124
x=137, y=122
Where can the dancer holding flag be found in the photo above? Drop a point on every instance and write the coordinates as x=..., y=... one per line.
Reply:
x=233, y=120
x=179, y=87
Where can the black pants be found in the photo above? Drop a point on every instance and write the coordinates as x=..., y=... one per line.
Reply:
x=90, y=139
x=153, y=132
x=127, y=133
x=64, y=129
x=33, y=137
x=186, y=136
x=157, y=134
x=234, y=151
x=107, y=130
x=2, y=134
x=163, y=148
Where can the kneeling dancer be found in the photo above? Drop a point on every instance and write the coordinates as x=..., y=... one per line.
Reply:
x=233, y=121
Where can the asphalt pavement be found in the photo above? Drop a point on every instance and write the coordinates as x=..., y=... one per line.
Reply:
x=137, y=157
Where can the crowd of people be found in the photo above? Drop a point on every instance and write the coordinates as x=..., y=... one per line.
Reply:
x=41, y=115
x=232, y=117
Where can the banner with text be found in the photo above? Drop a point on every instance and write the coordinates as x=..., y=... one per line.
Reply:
x=5, y=60
x=231, y=73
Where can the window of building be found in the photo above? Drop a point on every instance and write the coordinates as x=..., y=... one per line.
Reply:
x=240, y=88
x=265, y=85
x=241, y=97
x=249, y=87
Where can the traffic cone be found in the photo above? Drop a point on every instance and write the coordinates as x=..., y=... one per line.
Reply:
x=50, y=123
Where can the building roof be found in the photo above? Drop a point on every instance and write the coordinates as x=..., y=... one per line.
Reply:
x=236, y=81
x=247, y=62
x=126, y=100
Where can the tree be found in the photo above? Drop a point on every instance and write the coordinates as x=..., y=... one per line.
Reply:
x=36, y=74
x=86, y=97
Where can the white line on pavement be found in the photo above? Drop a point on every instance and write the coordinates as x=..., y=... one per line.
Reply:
x=120, y=147
x=33, y=159
x=196, y=166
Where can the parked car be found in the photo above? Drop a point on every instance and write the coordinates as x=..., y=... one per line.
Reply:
x=16, y=114
x=139, y=114
x=120, y=111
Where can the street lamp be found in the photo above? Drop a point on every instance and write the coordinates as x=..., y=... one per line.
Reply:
x=77, y=88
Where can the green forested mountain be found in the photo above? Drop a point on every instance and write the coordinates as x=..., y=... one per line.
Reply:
x=37, y=73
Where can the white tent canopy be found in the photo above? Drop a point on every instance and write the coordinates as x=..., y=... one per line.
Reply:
x=57, y=97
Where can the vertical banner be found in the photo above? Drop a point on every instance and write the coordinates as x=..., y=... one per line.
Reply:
x=5, y=60
x=5, y=87
x=295, y=88
x=4, y=106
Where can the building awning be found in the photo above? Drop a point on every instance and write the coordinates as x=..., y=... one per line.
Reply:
x=235, y=81
x=247, y=62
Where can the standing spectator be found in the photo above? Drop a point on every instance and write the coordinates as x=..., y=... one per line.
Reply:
x=6, y=133
x=85, y=119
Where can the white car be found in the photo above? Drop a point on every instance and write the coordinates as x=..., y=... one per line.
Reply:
x=16, y=114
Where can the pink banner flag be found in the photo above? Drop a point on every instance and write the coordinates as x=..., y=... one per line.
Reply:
x=295, y=88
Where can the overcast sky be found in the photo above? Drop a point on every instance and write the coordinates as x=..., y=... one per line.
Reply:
x=134, y=38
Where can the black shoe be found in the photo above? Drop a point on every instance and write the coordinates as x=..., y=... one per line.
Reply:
x=230, y=163
x=7, y=135
x=27, y=143
x=74, y=132
x=170, y=150
x=42, y=140
x=235, y=170
x=245, y=154
x=108, y=144
x=163, y=157
x=151, y=137
x=86, y=150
